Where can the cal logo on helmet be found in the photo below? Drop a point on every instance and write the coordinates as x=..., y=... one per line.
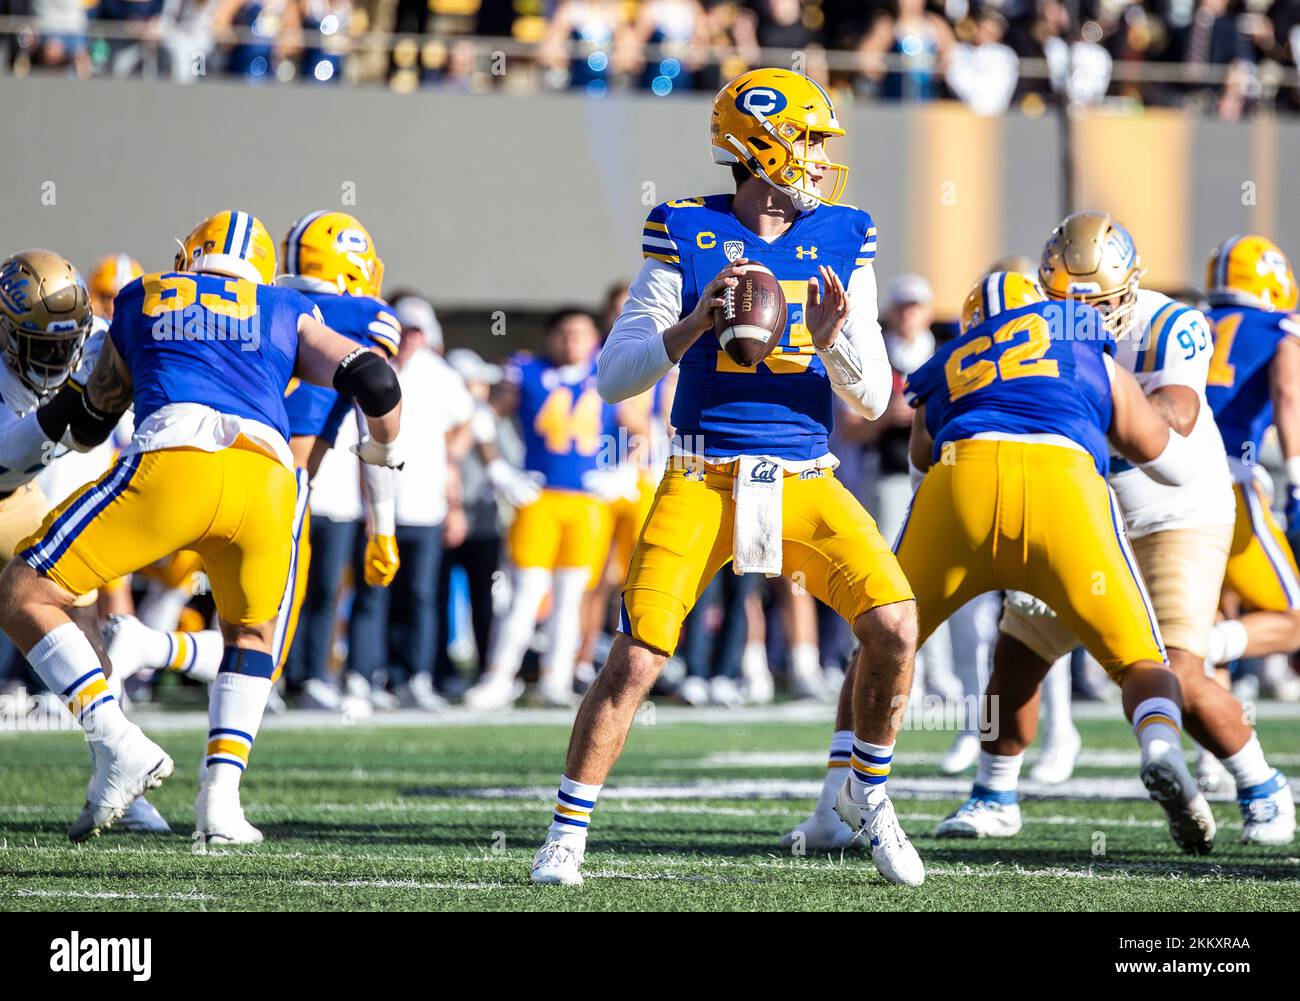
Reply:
x=333, y=252
x=1251, y=270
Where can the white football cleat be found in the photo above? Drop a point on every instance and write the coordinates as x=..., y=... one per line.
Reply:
x=1267, y=812
x=494, y=691
x=822, y=832
x=142, y=817
x=1210, y=773
x=1056, y=760
x=1171, y=785
x=125, y=637
x=219, y=818
x=123, y=770
x=962, y=753
x=557, y=863
x=878, y=828
x=981, y=818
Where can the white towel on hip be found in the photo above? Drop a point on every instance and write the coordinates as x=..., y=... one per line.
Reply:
x=756, y=538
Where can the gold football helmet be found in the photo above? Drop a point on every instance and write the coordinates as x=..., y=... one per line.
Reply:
x=334, y=250
x=230, y=243
x=1251, y=271
x=768, y=121
x=997, y=292
x=108, y=276
x=45, y=317
x=1091, y=258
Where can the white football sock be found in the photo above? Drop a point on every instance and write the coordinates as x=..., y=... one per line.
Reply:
x=869, y=770
x=196, y=655
x=1248, y=766
x=515, y=629
x=573, y=805
x=564, y=627
x=235, y=706
x=836, y=763
x=1158, y=725
x=999, y=772
x=64, y=659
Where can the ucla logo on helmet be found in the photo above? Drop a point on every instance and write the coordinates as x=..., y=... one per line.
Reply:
x=760, y=101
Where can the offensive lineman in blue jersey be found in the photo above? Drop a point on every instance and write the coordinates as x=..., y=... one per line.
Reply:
x=204, y=353
x=558, y=540
x=1012, y=423
x=752, y=476
x=1254, y=381
x=331, y=259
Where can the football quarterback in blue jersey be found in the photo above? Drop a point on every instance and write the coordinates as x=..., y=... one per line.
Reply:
x=204, y=353
x=752, y=475
x=331, y=259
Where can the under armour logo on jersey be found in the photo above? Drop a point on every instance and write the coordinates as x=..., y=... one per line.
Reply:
x=734, y=249
x=760, y=101
x=764, y=472
x=810, y=253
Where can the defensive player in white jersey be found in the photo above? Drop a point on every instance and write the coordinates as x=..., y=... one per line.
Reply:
x=1180, y=537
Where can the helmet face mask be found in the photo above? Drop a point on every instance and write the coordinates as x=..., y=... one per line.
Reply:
x=45, y=317
x=775, y=123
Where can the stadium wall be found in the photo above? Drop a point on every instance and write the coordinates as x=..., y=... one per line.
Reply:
x=500, y=201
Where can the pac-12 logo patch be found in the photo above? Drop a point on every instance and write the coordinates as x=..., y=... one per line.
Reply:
x=760, y=101
x=734, y=249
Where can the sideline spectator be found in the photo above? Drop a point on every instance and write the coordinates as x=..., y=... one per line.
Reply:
x=393, y=628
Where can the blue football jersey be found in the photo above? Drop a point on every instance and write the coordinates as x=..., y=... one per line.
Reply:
x=781, y=407
x=1039, y=369
x=1237, y=389
x=224, y=343
x=564, y=421
x=318, y=411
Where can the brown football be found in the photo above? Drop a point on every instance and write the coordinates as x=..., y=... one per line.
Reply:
x=751, y=320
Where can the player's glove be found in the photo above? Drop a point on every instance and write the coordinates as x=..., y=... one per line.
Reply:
x=1026, y=604
x=381, y=560
x=376, y=454
x=514, y=487
x=610, y=485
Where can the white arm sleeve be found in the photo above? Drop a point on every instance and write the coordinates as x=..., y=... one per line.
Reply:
x=634, y=357
x=857, y=363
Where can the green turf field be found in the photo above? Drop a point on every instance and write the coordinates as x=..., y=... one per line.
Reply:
x=448, y=816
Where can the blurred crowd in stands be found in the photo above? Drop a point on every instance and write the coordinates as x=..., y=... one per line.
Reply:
x=1225, y=56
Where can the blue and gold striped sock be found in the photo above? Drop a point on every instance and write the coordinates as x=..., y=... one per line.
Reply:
x=236, y=701
x=573, y=805
x=869, y=770
x=64, y=659
x=1157, y=723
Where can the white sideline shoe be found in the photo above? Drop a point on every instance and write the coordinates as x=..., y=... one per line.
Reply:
x=694, y=691
x=219, y=818
x=962, y=753
x=808, y=682
x=494, y=691
x=1268, y=812
x=419, y=693
x=124, y=638
x=822, y=832
x=723, y=691
x=122, y=771
x=1171, y=785
x=1056, y=761
x=878, y=827
x=557, y=863
x=317, y=693
x=142, y=817
x=981, y=818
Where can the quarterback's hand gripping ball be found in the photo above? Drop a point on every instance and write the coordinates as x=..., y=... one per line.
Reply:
x=751, y=320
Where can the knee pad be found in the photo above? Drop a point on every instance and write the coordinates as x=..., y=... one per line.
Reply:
x=652, y=618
